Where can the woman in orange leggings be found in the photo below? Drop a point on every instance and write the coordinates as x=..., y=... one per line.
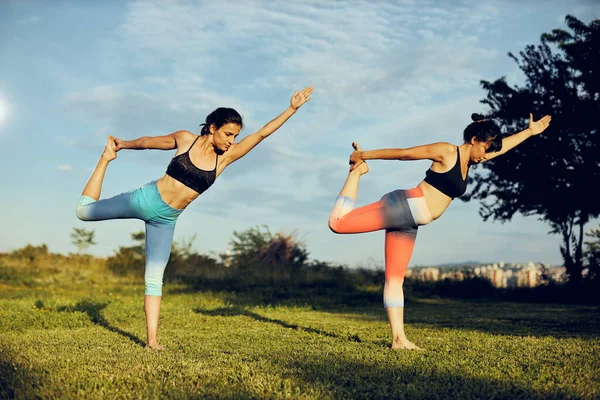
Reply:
x=401, y=212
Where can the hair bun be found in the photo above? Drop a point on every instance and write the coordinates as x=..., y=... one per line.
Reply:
x=477, y=117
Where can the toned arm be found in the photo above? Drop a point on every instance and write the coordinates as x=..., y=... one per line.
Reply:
x=512, y=141
x=242, y=148
x=239, y=150
x=433, y=152
x=165, y=142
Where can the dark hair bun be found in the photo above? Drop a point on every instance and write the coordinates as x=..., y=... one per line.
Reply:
x=477, y=117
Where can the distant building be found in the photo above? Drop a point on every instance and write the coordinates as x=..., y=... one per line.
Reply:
x=500, y=275
x=498, y=278
x=429, y=274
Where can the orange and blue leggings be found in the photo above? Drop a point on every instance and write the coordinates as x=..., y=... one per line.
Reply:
x=400, y=213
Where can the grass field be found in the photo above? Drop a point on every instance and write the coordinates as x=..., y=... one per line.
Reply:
x=78, y=333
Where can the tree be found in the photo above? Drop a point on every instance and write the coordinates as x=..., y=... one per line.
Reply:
x=129, y=260
x=82, y=239
x=552, y=174
x=592, y=253
x=256, y=245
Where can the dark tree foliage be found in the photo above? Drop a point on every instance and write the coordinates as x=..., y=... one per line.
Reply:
x=257, y=247
x=592, y=253
x=554, y=175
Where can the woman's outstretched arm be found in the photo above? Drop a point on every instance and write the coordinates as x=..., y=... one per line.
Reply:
x=165, y=142
x=242, y=148
x=512, y=141
x=433, y=152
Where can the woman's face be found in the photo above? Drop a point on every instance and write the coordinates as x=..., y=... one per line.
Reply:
x=225, y=136
x=478, y=150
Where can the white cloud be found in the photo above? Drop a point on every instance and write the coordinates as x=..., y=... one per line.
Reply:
x=32, y=19
x=66, y=168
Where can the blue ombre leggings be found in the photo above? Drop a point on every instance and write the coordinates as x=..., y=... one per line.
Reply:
x=146, y=204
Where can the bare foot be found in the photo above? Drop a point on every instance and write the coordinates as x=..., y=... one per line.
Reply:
x=404, y=344
x=362, y=168
x=154, y=346
x=110, y=152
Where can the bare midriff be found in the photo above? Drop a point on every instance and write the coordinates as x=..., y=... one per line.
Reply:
x=436, y=200
x=175, y=193
x=179, y=196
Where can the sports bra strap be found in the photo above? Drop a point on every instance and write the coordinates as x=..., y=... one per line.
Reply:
x=197, y=137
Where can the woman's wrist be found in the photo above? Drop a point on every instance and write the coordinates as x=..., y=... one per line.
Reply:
x=529, y=132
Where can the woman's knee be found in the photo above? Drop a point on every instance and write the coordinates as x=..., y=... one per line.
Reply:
x=82, y=211
x=396, y=281
x=153, y=289
x=153, y=279
x=153, y=284
x=337, y=225
x=393, y=293
x=334, y=225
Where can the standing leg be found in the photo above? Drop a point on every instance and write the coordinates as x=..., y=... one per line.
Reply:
x=399, y=246
x=159, y=239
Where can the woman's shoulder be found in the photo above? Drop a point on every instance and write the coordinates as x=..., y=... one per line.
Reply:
x=445, y=149
x=445, y=153
x=184, y=137
x=183, y=134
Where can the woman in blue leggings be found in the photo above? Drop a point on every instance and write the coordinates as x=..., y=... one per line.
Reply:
x=199, y=160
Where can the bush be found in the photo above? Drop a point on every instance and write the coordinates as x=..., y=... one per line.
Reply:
x=127, y=261
x=30, y=253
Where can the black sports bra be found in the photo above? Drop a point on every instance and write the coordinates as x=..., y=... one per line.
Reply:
x=450, y=182
x=183, y=170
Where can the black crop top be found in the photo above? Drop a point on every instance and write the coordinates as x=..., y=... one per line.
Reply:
x=450, y=182
x=181, y=168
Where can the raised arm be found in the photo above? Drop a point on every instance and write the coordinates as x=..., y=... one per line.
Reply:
x=165, y=142
x=433, y=152
x=512, y=141
x=242, y=148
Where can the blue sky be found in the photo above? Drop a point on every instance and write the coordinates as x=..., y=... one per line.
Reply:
x=386, y=74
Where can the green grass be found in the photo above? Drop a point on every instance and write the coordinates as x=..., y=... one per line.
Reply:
x=78, y=333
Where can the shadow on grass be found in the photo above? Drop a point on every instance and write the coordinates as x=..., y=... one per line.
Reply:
x=488, y=316
x=405, y=377
x=323, y=295
x=235, y=311
x=506, y=318
x=484, y=315
x=16, y=381
x=92, y=309
x=344, y=376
